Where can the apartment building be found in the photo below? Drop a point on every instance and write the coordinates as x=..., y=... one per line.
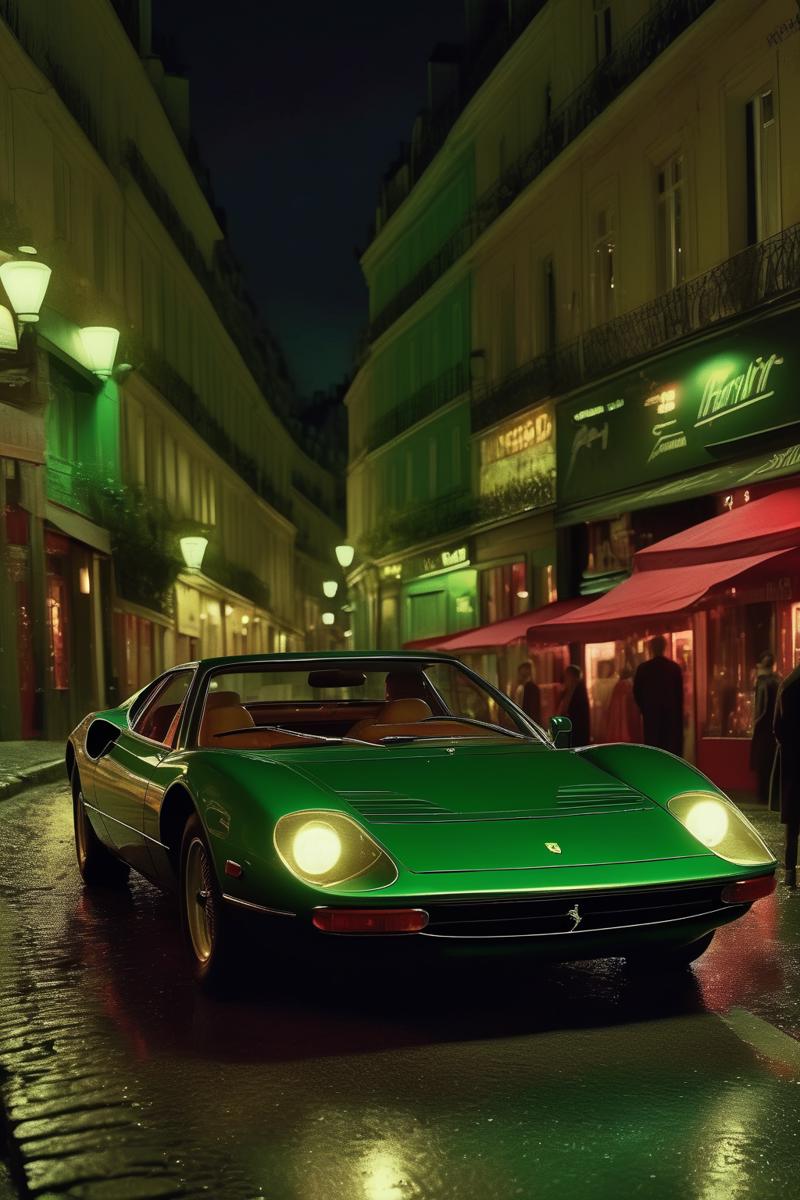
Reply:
x=106, y=465
x=609, y=190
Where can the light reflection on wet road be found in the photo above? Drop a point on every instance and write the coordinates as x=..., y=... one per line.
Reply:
x=345, y=1081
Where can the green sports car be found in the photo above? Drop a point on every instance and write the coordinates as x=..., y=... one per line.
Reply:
x=377, y=795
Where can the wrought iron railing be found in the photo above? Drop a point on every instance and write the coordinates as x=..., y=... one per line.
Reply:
x=665, y=22
x=754, y=277
x=434, y=395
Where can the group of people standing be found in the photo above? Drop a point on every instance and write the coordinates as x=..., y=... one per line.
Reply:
x=647, y=707
x=643, y=707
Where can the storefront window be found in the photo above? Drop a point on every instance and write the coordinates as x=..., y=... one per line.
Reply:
x=610, y=546
x=504, y=592
x=610, y=671
x=737, y=637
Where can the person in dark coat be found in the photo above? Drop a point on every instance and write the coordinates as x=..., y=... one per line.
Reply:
x=527, y=694
x=575, y=705
x=762, y=745
x=786, y=773
x=658, y=690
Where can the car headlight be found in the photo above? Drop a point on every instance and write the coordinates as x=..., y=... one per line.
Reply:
x=719, y=825
x=330, y=849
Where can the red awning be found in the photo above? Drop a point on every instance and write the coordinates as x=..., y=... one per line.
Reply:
x=759, y=527
x=499, y=633
x=649, y=601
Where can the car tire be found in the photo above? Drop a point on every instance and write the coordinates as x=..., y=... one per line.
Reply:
x=675, y=959
x=98, y=867
x=209, y=929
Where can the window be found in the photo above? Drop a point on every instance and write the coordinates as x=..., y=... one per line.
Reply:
x=738, y=634
x=549, y=306
x=670, y=233
x=504, y=592
x=99, y=246
x=157, y=720
x=603, y=297
x=602, y=29
x=61, y=197
x=507, y=334
x=761, y=142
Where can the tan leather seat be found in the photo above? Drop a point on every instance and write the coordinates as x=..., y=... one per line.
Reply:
x=222, y=699
x=217, y=721
x=395, y=712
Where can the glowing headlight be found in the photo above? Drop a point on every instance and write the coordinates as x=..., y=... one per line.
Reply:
x=719, y=825
x=317, y=848
x=708, y=821
x=330, y=849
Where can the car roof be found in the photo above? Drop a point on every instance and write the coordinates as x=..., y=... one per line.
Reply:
x=313, y=656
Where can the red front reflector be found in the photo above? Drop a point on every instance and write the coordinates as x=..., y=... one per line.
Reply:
x=370, y=920
x=747, y=890
x=233, y=869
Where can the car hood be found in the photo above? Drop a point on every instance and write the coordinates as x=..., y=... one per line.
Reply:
x=471, y=807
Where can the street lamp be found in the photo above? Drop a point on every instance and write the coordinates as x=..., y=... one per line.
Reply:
x=328, y=618
x=193, y=549
x=25, y=282
x=344, y=555
x=329, y=588
x=100, y=346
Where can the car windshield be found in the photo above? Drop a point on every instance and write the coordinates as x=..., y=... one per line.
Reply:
x=263, y=705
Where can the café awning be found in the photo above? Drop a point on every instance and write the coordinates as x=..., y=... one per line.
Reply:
x=499, y=633
x=760, y=526
x=653, y=600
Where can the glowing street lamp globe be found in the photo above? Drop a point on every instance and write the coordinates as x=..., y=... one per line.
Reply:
x=329, y=588
x=344, y=555
x=193, y=549
x=8, y=330
x=100, y=347
x=328, y=618
x=25, y=282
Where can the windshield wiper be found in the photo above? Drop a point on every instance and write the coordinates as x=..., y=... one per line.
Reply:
x=319, y=737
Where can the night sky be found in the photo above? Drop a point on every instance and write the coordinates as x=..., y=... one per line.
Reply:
x=298, y=109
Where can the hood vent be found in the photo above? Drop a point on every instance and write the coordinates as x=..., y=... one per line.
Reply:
x=588, y=797
x=392, y=806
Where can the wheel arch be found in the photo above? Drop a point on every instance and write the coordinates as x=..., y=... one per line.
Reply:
x=69, y=760
x=176, y=808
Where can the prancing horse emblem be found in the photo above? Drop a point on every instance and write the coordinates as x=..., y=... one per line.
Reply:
x=553, y=847
x=576, y=917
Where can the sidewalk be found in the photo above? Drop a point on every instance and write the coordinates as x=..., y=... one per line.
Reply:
x=27, y=764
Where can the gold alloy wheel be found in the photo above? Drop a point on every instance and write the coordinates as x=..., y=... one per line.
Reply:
x=199, y=900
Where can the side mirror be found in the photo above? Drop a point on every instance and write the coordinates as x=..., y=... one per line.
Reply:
x=561, y=732
x=101, y=736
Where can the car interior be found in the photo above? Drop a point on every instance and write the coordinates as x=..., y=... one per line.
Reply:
x=411, y=707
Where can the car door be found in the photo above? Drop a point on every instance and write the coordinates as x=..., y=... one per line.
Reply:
x=122, y=775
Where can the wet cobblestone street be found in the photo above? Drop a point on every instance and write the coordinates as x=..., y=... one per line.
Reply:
x=120, y=1080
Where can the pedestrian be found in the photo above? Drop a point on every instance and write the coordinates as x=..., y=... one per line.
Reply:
x=786, y=773
x=575, y=705
x=658, y=690
x=624, y=721
x=527, y=693
x=762, y=744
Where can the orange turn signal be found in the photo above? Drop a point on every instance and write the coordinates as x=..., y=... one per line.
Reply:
x=370, y=920
x=748, y=890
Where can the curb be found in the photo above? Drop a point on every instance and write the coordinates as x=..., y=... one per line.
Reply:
x=48, y=772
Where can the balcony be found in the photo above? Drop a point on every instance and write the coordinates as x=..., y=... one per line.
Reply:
x=628, y=60
x=756, y=276
x=427, y=400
